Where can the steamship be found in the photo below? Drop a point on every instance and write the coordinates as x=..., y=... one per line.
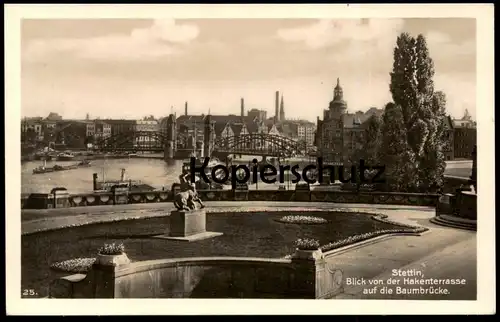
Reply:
x=107, y=185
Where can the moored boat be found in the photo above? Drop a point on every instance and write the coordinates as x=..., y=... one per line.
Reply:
x=107, y=185
x=65, y=156
x=44, y=169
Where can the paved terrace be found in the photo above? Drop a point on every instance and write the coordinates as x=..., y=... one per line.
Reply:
x=441, y=252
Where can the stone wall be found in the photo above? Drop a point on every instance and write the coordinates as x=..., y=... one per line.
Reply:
x=96, y=199
x=212, y=277
x=451, y=183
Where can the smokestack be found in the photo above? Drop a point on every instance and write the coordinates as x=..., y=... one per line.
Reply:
x=186, y=108
x=242, y=107
x=277, y=107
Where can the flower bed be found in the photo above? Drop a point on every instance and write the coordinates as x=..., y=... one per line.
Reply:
x=300, y=219
x=408, y=229
x=75, y=265
x=112, y=249
x=258, y=234
x=307, y=244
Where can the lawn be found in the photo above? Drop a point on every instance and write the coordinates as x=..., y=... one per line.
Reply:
x=245, y=234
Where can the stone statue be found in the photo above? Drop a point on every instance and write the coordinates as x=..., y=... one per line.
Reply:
x=186, y=199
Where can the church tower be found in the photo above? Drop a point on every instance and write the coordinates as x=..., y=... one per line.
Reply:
x=282, y=109
x=337, y=106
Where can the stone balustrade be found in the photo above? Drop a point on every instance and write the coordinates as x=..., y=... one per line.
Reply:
x=45, y=201
x=301, y=277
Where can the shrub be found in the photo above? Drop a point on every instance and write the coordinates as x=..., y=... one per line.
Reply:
x=299, y=219
x=75, y=265
x=307, y=244
x=112, y=249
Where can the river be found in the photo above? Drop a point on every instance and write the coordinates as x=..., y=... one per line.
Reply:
x=154, y=172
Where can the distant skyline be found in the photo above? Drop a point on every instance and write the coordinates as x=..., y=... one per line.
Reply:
x=127, y=68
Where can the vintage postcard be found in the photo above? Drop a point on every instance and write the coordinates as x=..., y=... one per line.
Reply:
x=237, y=154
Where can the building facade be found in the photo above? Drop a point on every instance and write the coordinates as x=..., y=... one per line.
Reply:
x=339, y=135
x=330, y=140
x=260, y=115
x=465, y=136
x=449, y=136
x=147, y=133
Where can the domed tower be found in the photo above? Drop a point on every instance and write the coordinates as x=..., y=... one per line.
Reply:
x=338, y=106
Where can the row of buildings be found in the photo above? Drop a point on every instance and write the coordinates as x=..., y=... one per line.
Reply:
x=339, y=134
x=254, y=121
x=334, y=137
x=80, y=134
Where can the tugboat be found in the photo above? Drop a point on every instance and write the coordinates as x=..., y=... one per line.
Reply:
x=43, y=168
x=108, y=185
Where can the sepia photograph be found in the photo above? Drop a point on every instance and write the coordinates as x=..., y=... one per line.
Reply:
x=260, y=157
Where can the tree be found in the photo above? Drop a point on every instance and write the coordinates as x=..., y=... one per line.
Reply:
x=421, y=112
x=395, y=153
x=370, y=140
x=368, y=145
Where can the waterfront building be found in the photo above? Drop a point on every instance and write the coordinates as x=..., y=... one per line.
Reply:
x=465, y=136
x=102, y=130
x=90, y=129
x=71, y=134
x=449, y=146
x=306, y=131
x=330, y=129
x=465, y=139
x=147, y=128
x=31, y=129
x=299, y=130
x=338, y=135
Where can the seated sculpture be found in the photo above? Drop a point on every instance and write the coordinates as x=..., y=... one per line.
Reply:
x=186, y=199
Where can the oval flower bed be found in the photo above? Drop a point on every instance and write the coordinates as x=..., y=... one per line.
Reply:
x=75, y=265
x=300, y=219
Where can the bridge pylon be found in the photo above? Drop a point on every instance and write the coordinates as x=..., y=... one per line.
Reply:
x=208, y=137
x=170, y=142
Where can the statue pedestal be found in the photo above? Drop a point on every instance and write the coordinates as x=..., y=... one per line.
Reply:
x=467, y=207
x=463, y=213
x=188, y=226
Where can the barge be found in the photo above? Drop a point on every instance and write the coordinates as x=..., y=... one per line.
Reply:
x=44, y=169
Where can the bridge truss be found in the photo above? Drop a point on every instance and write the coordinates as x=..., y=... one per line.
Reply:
x=259, y=144
x=153, y=141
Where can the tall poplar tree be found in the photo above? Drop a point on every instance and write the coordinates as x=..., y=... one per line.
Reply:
x=395, y=152
x=422, y=111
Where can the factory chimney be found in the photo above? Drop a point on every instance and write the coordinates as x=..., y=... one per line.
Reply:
x=186, y=108
x=242, y=107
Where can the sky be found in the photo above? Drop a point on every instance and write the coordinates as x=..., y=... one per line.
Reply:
x=128, y=68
